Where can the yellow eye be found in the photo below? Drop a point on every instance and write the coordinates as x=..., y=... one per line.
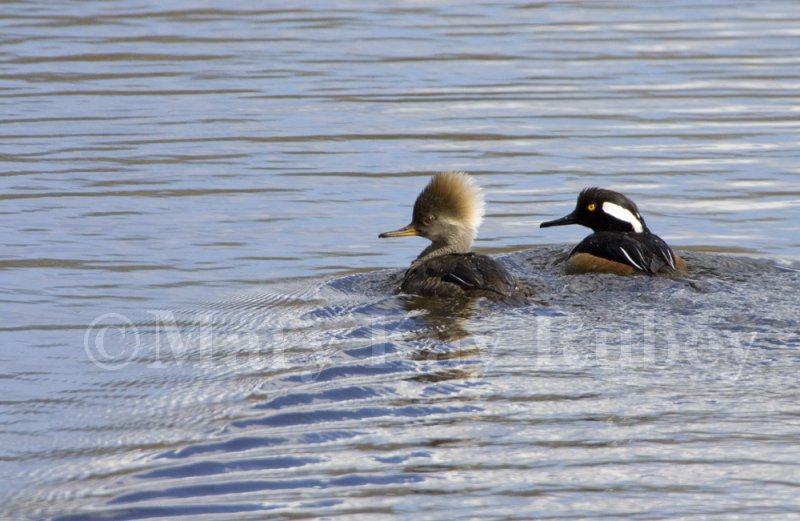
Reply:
x=591, y=207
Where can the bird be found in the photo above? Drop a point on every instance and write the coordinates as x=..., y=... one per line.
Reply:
x=621, y=243
x=448, y=212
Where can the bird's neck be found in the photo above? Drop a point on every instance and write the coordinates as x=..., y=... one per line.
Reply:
x=437, y=249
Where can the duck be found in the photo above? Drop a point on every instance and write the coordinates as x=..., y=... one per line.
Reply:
x=448, y=212
x=621, y=244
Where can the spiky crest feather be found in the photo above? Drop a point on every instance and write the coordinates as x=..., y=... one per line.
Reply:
x=454, y=194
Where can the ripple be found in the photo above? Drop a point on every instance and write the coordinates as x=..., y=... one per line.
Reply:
x=214, y=178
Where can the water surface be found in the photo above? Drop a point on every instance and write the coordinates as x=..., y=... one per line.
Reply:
x=198, y=317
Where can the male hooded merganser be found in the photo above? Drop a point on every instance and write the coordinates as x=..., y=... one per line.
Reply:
x=448, y=212
x=621, y=242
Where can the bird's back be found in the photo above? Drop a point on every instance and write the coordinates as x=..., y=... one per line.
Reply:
x=641, y=252
x=460, y=274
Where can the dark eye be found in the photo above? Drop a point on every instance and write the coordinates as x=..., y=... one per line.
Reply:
x=428, y=219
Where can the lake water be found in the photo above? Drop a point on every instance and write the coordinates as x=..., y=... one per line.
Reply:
x=198, y=318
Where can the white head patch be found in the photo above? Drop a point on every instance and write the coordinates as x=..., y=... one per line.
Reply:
x=625, y=215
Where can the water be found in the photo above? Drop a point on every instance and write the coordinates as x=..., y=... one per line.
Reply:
x=198, y=316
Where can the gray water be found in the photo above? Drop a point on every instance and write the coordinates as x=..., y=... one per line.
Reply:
x=199, y=320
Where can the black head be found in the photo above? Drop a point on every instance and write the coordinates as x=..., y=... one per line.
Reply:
x=603, y=210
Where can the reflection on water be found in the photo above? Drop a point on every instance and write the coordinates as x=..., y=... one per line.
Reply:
x=333, y=399
x=442, y=319
x=196, y=311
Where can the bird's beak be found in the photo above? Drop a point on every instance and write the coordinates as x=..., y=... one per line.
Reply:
x=567, y=219
x=406, y=231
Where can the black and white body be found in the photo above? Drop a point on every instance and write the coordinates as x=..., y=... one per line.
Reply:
x=621, y=242
x=448, y=212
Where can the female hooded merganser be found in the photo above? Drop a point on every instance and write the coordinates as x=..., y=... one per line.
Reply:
x=621, y=242
x=448, y=212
